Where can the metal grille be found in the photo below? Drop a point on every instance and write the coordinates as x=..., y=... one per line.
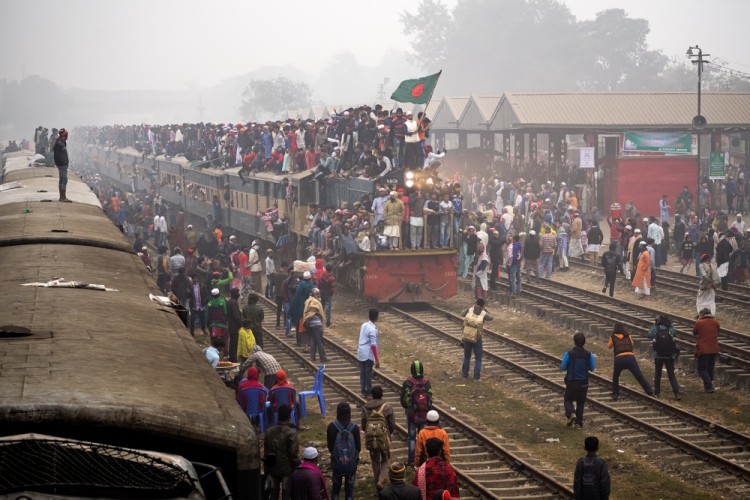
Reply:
x=61, y=465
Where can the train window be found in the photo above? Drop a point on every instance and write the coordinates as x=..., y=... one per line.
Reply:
x=262, y=188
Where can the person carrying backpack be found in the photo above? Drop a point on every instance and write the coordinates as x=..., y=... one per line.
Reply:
x=591, y=478
x=344, y=444
x=665, y=352
x=416, y=398
x=379, y=423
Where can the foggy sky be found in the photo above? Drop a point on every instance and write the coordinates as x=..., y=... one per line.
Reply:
x=184, y=44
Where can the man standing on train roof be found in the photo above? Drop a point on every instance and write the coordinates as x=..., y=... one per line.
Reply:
x=60, y=150
x=394, y=214
x=378, y=205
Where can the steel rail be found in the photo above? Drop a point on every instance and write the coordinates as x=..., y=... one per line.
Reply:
x=514, y=462
x=676, y=441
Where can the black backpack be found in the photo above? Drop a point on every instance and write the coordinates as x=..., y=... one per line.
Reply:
x=664, y=344
x=592, y=472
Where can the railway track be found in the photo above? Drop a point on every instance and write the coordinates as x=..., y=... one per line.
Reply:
x=737, y=298
x=677, y=437
x=734, y=361
x=486, y=467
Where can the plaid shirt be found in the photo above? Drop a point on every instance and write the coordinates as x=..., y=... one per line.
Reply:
x=547, y=242
x=266, y=363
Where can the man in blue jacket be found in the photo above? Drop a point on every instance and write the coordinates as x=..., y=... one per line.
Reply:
x=577, y=363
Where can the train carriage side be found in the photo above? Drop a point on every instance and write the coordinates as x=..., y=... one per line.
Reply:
x=109, y=367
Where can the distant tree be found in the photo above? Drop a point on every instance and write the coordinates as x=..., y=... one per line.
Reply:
x=429, y=28
x=273, y=96
x=489, y=46
x=618, y=57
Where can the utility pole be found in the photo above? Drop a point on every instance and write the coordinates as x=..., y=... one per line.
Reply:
x=381, y=88
x=696, y=56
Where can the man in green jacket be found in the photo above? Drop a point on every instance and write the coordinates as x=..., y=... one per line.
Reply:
x=281, y=455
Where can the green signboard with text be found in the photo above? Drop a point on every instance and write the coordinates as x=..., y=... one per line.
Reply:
x=658, y=142
x=716, y=166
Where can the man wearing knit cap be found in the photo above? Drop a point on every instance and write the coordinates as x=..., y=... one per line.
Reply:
x=398, y=489
x=431, y=430
x=307, y=480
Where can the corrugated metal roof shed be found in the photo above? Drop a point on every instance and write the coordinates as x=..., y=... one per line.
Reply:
x=449, y=112
x=618, y=110
x=479, y=112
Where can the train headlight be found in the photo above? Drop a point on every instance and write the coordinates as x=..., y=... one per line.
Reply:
x=409, y=176
x=409, y=183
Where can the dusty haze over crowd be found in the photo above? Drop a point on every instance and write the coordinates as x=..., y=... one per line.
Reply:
x=182, y=44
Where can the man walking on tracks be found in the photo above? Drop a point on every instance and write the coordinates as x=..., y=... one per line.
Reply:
x=611, y=262
x=416, y=398
x=367, y=351
x=281, y=453
x=60, y=150
x=665, y=352
x=344, y=445
x=430, y=431
x=706, y=347
x=591, y=478
x=378, y=423
x=622, y=344
x=577, y=363
x=471, y=339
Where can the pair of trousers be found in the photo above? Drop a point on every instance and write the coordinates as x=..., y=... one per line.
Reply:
x=365, y=377
x=287, y=319
x=379, y=460
x=669, y=364
x=433, y=232
x=610, y=278
x=575, y=392
x=415, y=236
x=412, y=431
x=445, y=232
x=631, y=364
x=197, y=313
x=348, y=481
x=279, y=310
x=327, y=308
x=275, y=485
x=706, y=364
x=545, y=265
x=316, y=342
x=62, y=171
x=476, y=348
x=515, y=278
x=399, y=152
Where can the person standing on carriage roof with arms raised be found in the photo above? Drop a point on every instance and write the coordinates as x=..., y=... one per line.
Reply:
x=60, y=150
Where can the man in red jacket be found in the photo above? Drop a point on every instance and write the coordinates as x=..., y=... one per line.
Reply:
x=706, y=347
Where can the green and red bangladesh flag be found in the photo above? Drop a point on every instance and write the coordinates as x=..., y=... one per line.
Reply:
x=417, y=91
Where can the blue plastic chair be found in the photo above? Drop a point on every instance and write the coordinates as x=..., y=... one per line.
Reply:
x=253, y=399
x=317, y=390
x=283, y=396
